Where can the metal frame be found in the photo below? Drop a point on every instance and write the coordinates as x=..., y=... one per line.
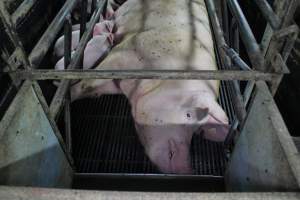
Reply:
x=267, y=60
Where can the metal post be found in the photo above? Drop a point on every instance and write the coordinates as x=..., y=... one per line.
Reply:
x=67, y=58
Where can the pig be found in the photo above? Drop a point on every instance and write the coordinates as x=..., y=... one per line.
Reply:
x=96, y=49
x=60, y=44
x=160, y=35
x=101, y=27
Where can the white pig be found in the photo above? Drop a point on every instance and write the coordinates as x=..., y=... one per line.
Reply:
x=160, y=34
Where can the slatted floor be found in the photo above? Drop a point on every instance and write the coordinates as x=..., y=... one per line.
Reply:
x=104, y=139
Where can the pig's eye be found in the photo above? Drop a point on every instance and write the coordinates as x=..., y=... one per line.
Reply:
x=188, y=115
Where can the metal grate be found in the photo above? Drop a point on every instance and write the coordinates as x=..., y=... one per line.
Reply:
x=104, y=139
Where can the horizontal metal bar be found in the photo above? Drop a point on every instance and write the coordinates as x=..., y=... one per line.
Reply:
x=59, y=97
x=144, y=74
x=42, y=47
x=247, y=36
x=268, y=13
x=22, y=11
x=16, y=193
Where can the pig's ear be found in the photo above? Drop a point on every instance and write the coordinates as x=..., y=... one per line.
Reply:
x=216, y=127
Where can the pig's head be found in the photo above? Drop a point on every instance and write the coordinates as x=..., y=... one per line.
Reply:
x=167, y=122
x=168, y=147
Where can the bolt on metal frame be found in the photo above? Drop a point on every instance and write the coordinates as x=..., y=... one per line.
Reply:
x=267, y=60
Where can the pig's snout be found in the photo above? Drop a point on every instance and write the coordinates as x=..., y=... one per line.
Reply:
x=173, y=159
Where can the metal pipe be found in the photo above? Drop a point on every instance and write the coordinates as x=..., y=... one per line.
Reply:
x=93, y=6
x=234, y=56
x=10, y=29
x=42, y=47
x=67, y=59
x=268, y=13
x=44, y=74
x=83, y=17
x=225, y=20
x=247, y=36
x=220, y=40
x=22, y=10
x=235, y=35
x=58, y=99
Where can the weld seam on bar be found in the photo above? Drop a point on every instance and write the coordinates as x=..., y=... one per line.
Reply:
x=43, y=45
x=141, y=74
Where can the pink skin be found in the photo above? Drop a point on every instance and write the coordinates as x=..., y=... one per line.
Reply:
x=96, y=48
x=60, y=43
x=168, y=112
x=105, y=26
x=167, y=147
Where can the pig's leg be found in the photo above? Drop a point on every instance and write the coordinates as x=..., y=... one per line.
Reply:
x=93, y=88
x=60, y=43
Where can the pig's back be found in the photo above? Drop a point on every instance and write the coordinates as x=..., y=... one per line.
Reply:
x=164, y=34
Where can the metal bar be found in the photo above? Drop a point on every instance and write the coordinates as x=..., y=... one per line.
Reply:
x=93, y=6
x=235, y=35
x=268, y=13
x=42, y=47
x=67, y=58
x=288, y=47
x=144, y=74
x=236, y=58
x=225, y=20
x=83, y=17
x=220, y=40
x=17, y=193
x=59, y=96
x=22, y=10
x=10, y=29
x=247, y=36
x=42, y=100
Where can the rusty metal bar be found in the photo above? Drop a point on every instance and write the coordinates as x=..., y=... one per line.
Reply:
x=75, y=74
x=247, y=36
x=22, y=10
x=42, y=47
x=59, y=97
x=268, y=13
x=67, y=58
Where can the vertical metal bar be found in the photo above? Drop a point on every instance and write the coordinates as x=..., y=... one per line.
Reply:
x=247, y=36
x=93, y=6
x=67, y=59
x=83, y=17
x=225, y=20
